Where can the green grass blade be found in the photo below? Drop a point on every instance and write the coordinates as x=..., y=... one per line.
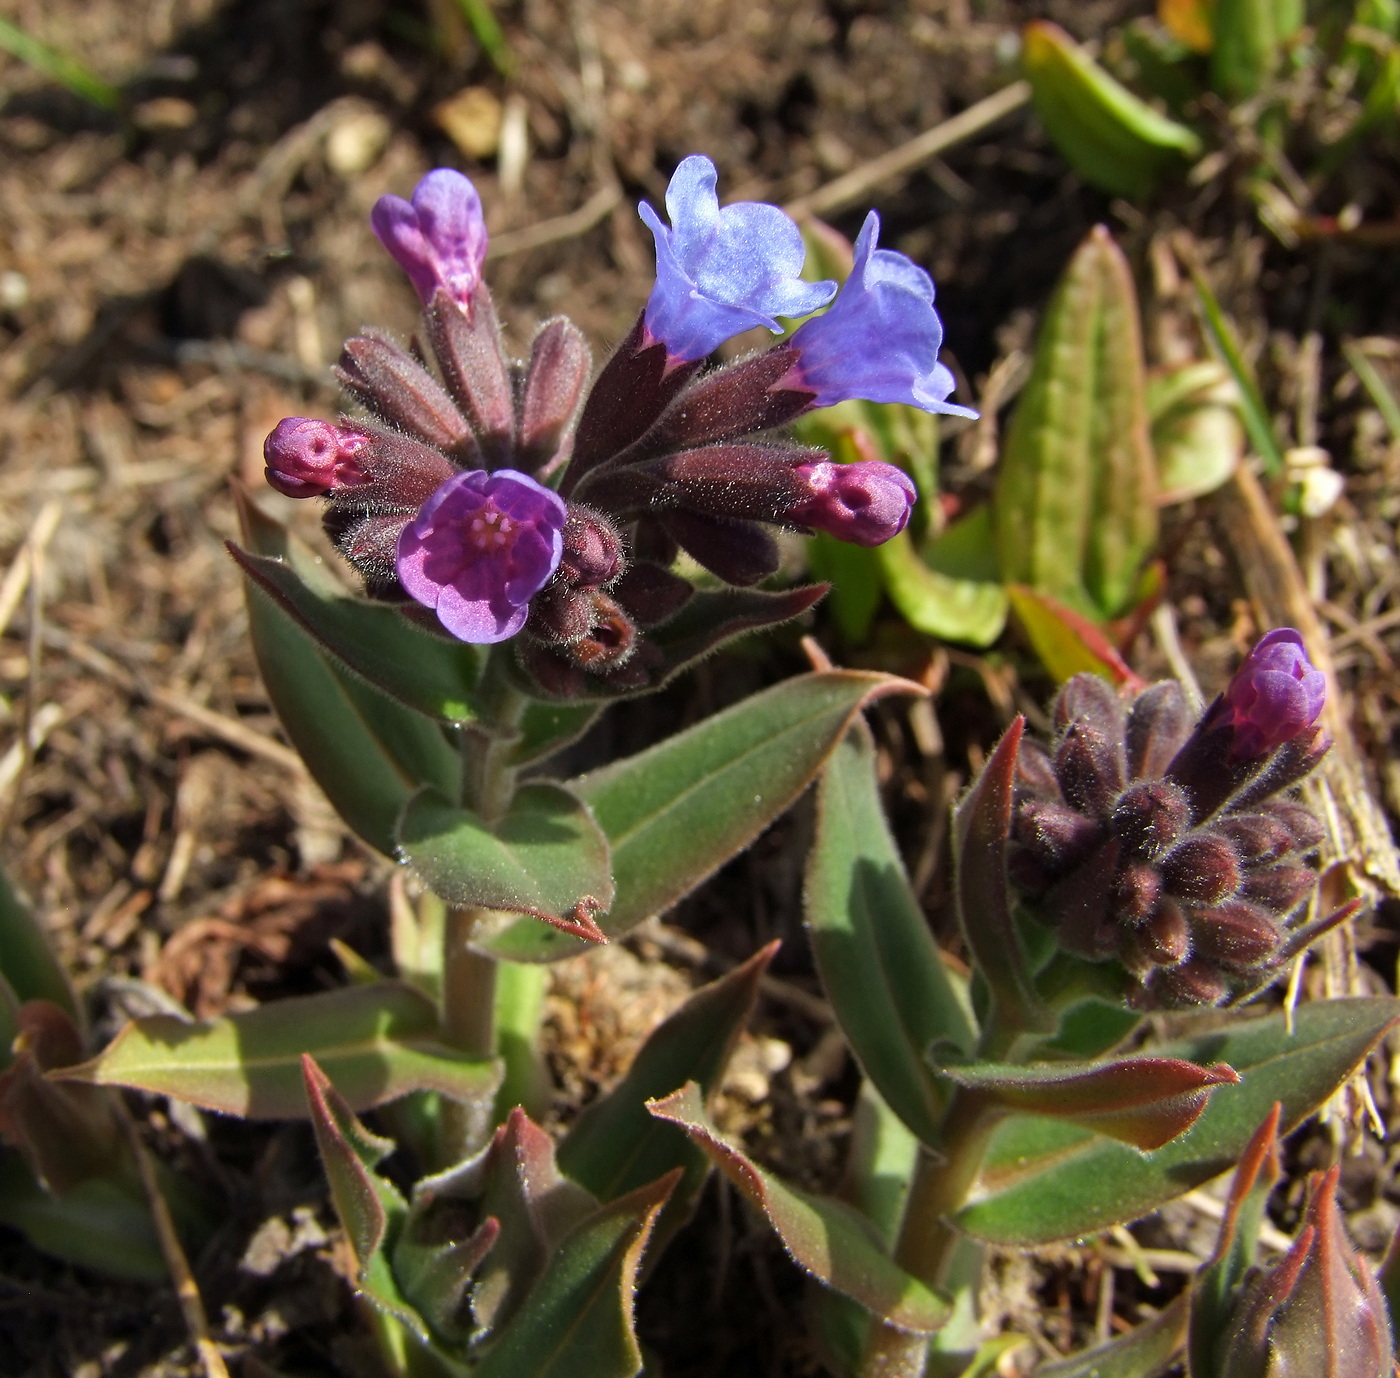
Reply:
x=67, y=71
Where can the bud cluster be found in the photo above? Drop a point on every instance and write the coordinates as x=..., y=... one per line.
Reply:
x=497, y=499
x=1169, y=847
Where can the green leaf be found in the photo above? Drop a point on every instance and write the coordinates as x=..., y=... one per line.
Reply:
x=1067, y=643
x=615, y=1146
x=520, y=994
x=1044, y=1181
x=427, y=673
x=546, y=857
x=1197, y=434
x=1075, y=506
x=827, y=1238
x=853, y=572
x=1377, y=389
x=82, y=81
x=679, y=810
x=1117, y=142
x=877, y=960
x=937, y=604
x=99, y=1223
x=981, y=829
x=1246, y=49
x=27, y=962
x=374, y=1042
x=550, y=727
x=1142, y=1101
x=577, y=1320
x=1148, y=1351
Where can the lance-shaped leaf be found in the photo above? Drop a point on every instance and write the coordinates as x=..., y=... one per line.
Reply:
x=1147, y=1351
x=546, y=858
x=370, y=1209
x=1075, y=505
x=1067, y=642
x=981, y=828
x=877, y=959
x=827, y=1238
x=939, y=604
x=1116, y=141
x=1142, y=1101
x=615, y=1146
x=577, y=1320
x=679, y=810
x=1248, y=43
x=1197, y=434
x=27, y=962
x=1213, y=1291
x=1043, y=1180
x=374, y=1042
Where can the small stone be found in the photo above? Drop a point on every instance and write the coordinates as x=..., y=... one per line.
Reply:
x=472, y=120
x=356, y=142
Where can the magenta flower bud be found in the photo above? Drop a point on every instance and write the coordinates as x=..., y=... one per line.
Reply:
x=306, y=458
x=1319, y=1312
x=721, y=271
x=479, y=549
x=438, y=238
x=865, y=503
x=1274, y=697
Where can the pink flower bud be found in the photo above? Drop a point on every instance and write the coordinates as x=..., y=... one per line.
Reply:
x=865, y=503
x=1275, y=695
x=307, y=458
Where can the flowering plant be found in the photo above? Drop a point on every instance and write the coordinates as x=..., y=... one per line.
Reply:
x=516, y=526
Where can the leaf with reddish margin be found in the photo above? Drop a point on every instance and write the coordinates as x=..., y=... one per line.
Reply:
x=1143, y=1101
x=981, y=827
x=827, y=1238
x=1067, y=642
x=1213, y=1291
x=370, y=1209
x=678, y=811
x=375, y=1042
x=615, y=1146
x=1045, y=1180
x=878, y=962
x=577, y=1320
x=546, y=858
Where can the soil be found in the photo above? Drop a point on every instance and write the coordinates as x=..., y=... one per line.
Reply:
x=174, y=281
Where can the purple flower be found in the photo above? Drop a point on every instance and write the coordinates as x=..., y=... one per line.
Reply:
x=866, y=503
x=479, y=549
x=439, y=239
x=306, y=458
x=880, y=338
x=1275, y=695
x=719, y=272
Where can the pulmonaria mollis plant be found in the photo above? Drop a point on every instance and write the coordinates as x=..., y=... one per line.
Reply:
x=1174, y=848
x=494, y=498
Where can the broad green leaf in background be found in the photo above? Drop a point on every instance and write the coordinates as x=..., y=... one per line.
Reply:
x=546, y=857
x=877, y=960
x=1197, y=434
x=1249, y=39
x=577, y=1320
x=615, y=1146
x=1075, y=505
x=1142, y=1101
x=679, y=810
x=1044, y=1181
x=374, y=1042
x=853, y=571
x=27, y=962
x=1147, y=1351
x=827, y=1238
x=430, y=673
x=938, y=604
x=1116, y=141
x=981, y=828
x=1066, y=642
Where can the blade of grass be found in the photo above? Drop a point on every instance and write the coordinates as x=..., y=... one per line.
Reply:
x=482, y=22
x=67, y=71
x=1252, y=409
x=1376, y=386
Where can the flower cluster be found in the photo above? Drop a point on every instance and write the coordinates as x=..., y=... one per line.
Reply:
x=1171, y=848
x=498, y=499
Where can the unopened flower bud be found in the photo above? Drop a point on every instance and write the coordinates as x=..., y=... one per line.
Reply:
x=1158, y=723
x=1203, y=869
x=1319, y=1312
x=865, y=503
x=438, y=238
x=1136, y=890
x=1235, y=934
x=592, y=549
x=1259, y=838
x=1300, y=821
x=1280, y=888
x=1089, y=767
x=1192, y=982
x=1088, y=698
x=1165, y=938
x=1151, y=816
x=1276, y=695
x=306, y=458
x=1055, y=835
